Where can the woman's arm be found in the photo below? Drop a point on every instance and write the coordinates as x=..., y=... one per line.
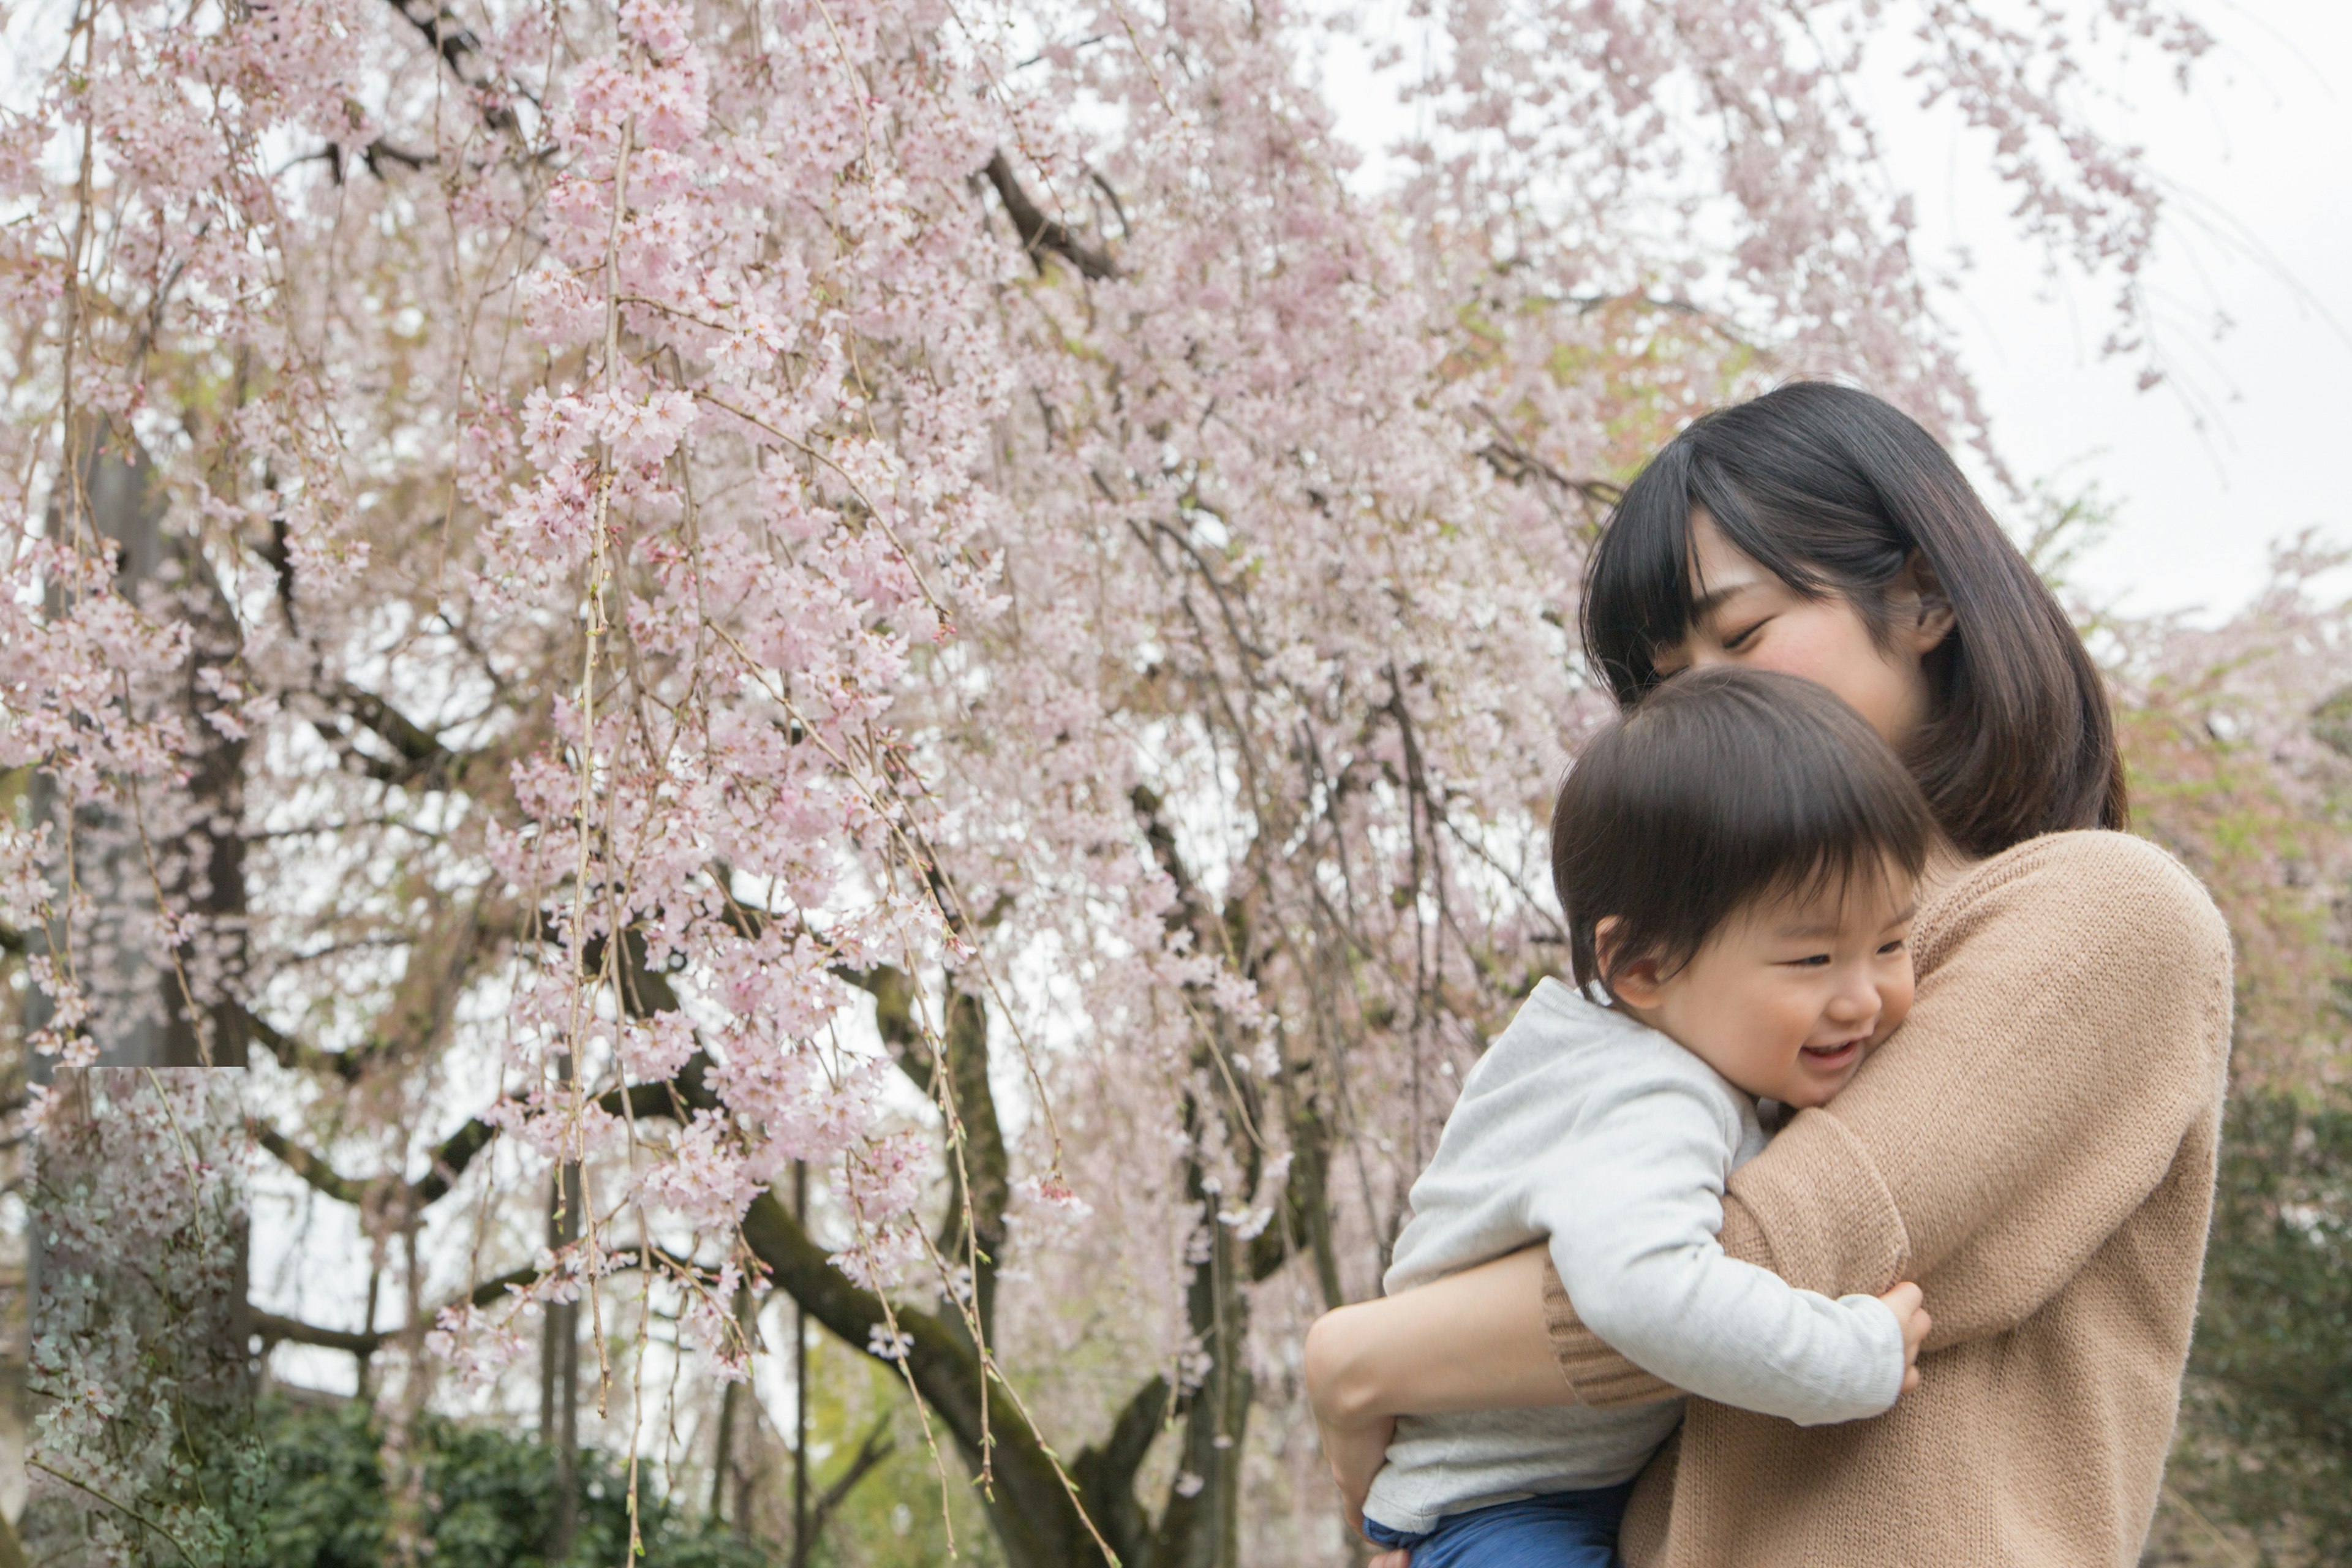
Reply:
x=2072, y=1024
x=1472, y=1340
x=2072, y=1019
x=2076, y=1025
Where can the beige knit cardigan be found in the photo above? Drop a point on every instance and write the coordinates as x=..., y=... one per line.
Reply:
x=2036, y=1148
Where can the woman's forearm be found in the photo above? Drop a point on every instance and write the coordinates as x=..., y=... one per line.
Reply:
x=1472, y=1340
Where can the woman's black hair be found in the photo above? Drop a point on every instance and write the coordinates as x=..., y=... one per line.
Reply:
x=1723, y=787
x=1833, y=490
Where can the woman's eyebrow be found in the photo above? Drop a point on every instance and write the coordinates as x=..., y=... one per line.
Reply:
x=1707, y=603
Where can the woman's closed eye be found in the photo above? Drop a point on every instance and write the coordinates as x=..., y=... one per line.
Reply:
x=1744, y=634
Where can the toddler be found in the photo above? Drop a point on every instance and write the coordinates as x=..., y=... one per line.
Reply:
x=1736, y=860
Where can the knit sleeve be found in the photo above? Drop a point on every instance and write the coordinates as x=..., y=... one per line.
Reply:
x=2071, y=1023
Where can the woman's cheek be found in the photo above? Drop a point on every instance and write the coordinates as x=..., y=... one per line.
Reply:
x=1831, y=647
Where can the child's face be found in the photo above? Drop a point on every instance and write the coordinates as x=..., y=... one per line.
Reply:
x=1788, y=997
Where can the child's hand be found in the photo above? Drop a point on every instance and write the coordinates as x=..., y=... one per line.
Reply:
x=1904, y=1302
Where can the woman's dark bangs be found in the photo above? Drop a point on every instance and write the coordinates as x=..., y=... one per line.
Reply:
x=1736, y=515
x=1640, y=570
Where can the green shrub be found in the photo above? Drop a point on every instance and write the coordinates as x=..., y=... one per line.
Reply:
x=2268, y=1440
x=491, y=1501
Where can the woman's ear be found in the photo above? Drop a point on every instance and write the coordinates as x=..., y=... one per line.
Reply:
x=1923, y=610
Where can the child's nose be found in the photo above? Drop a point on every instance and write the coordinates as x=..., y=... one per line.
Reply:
x=1856, y=1000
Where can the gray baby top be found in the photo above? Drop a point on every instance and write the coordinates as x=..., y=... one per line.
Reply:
x=1587, y=1127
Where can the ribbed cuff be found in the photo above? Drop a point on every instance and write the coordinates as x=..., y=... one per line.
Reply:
x=1601, y=1378
x=1815, y=1210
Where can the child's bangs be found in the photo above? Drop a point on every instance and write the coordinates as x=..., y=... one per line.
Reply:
x=1848, y=870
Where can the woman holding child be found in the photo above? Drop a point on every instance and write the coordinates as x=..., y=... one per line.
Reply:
x=2032, y=1146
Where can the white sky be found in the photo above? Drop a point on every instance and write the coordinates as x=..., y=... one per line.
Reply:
x=2263, y=146
x=2205, y=472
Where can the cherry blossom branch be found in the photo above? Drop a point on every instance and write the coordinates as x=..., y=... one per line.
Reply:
x=689, y=1090
x=271, y=1326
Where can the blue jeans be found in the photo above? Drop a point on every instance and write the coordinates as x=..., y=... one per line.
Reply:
x=1558, y=1530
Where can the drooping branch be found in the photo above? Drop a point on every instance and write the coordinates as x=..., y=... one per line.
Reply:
x=982, y=1162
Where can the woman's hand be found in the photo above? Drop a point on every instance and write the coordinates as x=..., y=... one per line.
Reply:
x=1354, y=1450
x=1355, y=1430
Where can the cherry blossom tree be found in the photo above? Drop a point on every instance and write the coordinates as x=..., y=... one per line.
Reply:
x=934, y=606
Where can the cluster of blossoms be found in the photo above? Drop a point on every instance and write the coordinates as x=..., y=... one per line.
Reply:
x=928, y=594
x=139, y=1196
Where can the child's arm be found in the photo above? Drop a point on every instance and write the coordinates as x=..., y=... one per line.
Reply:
x=1633, y=1207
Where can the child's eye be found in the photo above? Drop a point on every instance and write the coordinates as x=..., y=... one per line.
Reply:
x=1811, y=961
x=1892, y=947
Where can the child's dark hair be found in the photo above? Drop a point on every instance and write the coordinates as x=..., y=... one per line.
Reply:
x=1723, y=786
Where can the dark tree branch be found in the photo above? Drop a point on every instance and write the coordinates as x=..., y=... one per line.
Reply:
x=644, y=989
x=304, y=1163
x=1039, y=232
x=1035, y=1516
x=451, y=1159
x=273, y=1328
x=418, y=760
x=878, y=1447
x=1105, y=1471
x=452, y=40
x=964, y=1050
x=1206, y=1525
x=675, y=1100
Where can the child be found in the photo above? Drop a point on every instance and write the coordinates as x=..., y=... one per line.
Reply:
x=1736, y=860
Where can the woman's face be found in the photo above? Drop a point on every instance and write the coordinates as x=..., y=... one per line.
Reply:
x=1744, y=615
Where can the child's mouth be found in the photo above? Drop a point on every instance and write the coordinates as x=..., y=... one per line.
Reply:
x=1832, y=1056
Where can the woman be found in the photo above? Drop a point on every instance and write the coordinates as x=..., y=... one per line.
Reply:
x=2036, y=1146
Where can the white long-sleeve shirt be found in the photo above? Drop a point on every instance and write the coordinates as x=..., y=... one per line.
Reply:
x=1587, y=1127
